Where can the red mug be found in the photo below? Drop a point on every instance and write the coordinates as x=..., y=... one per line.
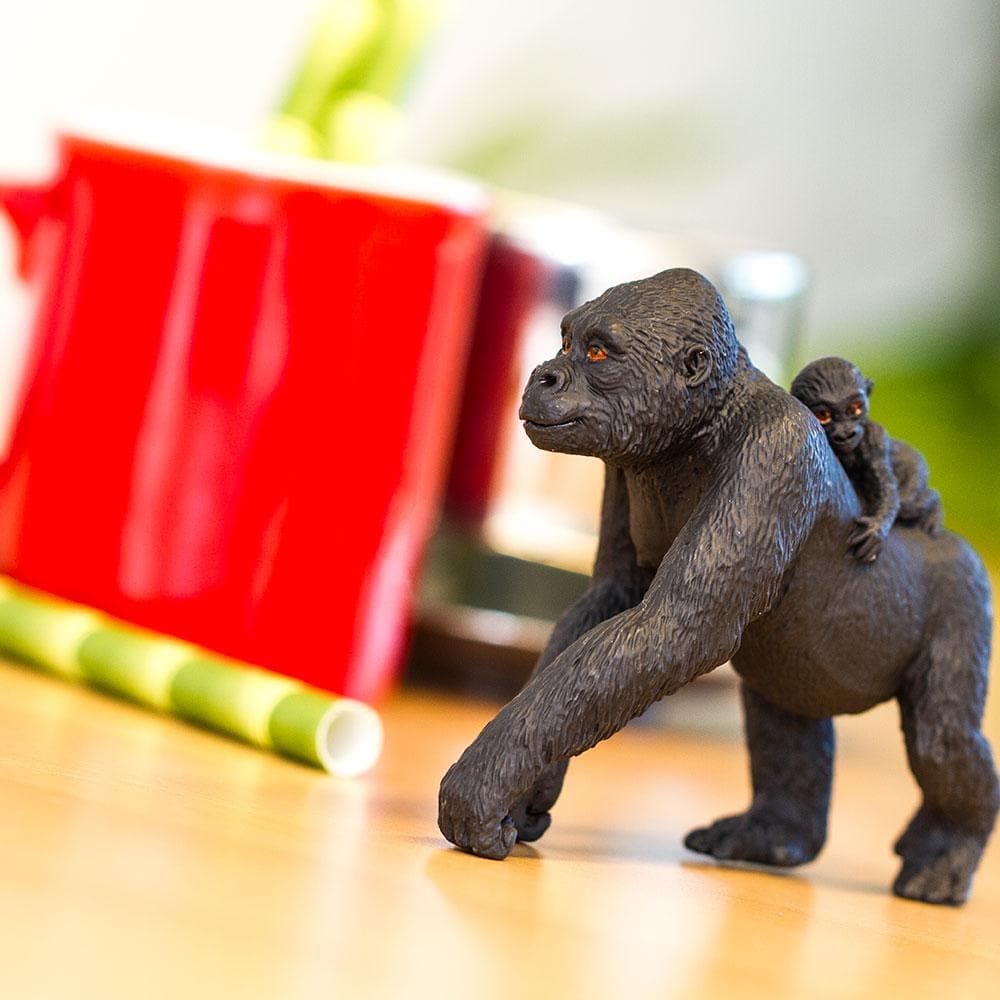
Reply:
x=240, y=389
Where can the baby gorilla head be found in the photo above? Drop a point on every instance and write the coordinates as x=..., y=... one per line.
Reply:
x=837, y=393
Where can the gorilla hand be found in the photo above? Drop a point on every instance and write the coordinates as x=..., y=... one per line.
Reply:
x=866, y=543
x=476, y=800
x=531, y=812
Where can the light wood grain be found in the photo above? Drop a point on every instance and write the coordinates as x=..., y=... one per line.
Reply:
x=142, y=858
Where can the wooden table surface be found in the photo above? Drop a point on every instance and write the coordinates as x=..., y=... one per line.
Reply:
x=142, y=858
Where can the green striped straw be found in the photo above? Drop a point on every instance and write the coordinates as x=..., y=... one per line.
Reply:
x=340, y=735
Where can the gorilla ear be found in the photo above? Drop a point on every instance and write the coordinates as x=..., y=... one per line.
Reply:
x=697, y=366
x=869, y=385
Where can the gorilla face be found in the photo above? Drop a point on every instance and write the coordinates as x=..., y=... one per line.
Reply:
x=627, y=383
x=837, y=393
x=843, y=420
x=576, y=402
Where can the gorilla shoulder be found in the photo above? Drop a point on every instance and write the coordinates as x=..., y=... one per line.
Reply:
x=782, y=434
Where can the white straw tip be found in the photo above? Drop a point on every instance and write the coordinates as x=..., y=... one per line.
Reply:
x=349, y=738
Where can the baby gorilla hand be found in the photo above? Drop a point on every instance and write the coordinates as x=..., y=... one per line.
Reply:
x=866, y=543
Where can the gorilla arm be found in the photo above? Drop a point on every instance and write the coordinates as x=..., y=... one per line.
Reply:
x=723, y=570
x=618, y=583
x=878, y=490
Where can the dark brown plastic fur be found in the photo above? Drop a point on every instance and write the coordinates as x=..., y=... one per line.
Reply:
x=724, y=536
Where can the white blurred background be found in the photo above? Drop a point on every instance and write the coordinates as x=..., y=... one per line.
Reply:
x=846, y=131
x=858, y=133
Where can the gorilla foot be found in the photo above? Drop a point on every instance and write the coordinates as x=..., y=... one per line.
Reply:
x=938, y=862
x=946, y=879
x=754, y=837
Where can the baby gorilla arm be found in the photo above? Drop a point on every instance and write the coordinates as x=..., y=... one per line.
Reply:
x=876, y=484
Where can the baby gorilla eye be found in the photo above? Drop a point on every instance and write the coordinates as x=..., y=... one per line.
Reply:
x=596, y=353
x=565, y=345
x=823, y=415
x=855, y=409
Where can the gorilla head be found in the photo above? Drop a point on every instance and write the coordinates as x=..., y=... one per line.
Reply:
x=640, y=368
x=837, y=393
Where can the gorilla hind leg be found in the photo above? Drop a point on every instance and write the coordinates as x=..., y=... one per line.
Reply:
x=941, y=706
x=791, y=770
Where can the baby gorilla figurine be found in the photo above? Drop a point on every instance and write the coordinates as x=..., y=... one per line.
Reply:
x=890, y=477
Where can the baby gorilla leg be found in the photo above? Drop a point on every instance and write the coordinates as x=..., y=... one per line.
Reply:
x=941, y=705
x=930, y=519
x=791, y=767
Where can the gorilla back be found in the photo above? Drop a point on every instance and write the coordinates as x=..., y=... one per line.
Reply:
x=723, y=536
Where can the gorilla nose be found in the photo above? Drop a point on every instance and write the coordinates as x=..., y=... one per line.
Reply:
x=843, y=436
x=548, y=377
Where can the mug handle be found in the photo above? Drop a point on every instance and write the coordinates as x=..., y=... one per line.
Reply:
x=26, y=205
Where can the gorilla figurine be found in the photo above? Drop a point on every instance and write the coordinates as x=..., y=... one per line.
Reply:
x=890, y=476
x=722, y=537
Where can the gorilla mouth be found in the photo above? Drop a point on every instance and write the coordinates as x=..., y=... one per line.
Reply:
x=538, y=425
x=852, y=441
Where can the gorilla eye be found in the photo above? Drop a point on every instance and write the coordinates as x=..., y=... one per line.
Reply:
x=596, y=353
x=823, y=415
x=855, y=409
x=565, y=345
